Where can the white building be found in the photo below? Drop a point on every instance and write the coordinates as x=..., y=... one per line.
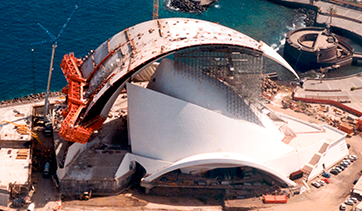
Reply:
x=190, y=118
x=185, y=122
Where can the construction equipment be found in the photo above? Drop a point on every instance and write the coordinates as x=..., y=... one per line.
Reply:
x=53, y=39
x=25, y=128
x=155, y=9
x=85, y=195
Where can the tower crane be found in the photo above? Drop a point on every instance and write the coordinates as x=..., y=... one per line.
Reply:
x=53, y=39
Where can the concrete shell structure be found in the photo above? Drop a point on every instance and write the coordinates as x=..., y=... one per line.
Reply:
x=95, y=83
x=183, y=121
x=188, y=120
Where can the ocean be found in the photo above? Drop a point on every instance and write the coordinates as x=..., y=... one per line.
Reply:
x=24, y=67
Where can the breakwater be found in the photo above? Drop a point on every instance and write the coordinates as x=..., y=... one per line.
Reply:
x=30, y=98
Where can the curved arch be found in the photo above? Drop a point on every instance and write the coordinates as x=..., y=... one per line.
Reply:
x=95, y=83
x=217, y=159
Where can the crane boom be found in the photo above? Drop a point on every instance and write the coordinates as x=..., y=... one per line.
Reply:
x=27, y=129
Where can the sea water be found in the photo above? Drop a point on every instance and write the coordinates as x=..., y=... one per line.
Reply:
x=24, y=67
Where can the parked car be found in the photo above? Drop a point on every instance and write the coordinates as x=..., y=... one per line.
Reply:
x=338, y=169
x=347, y=161
x=351, y=159
x=316, y=184
x=341, y=167
x=342, y=207
x=344, y=164
x=321, y=182
x=354, y=199
x=335, y=171
x=349, y=202
x=48, y=129
x=326, y=175
x=326, y=180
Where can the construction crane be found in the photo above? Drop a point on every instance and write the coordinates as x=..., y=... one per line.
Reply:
x=25, y=128
x=155, y=9
x=53, y=39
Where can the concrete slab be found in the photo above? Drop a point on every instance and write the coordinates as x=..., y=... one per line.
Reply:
x=13, y=170
x=20, y=114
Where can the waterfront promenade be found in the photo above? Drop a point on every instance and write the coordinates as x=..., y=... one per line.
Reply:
x=343, y=92
x=346, y=20
x=352, y=24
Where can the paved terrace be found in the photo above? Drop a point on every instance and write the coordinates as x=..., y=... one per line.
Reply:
x=346, y=91
x=353, y=23
x=345, y=18
x=335, y=91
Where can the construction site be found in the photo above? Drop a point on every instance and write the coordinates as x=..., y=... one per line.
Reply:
x=180, y=107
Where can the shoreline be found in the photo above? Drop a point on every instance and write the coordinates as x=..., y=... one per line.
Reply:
x=32, y=98
x=190, y=6
x=341, y=27
x=338, y=28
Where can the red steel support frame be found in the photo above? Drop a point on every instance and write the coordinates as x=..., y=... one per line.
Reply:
x=69, y=130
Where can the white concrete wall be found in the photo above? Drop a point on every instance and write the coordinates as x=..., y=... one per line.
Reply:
x=294, y=161
x=124, y=168
x=335, y=152
x=165, y=128
x=73, y=152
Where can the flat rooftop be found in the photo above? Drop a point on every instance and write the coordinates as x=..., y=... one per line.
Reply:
x=15, y=162
x=20, y=114
x=14, y=168
x=307, y=134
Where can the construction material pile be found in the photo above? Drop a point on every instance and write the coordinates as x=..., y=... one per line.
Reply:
x=268, y=88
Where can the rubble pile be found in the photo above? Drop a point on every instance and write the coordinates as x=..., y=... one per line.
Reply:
x=189, y=6
x=325, y=113
x=268, y=88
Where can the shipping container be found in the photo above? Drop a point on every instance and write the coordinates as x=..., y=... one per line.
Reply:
x=296, y=175
x=345, y=128
x=271, y=199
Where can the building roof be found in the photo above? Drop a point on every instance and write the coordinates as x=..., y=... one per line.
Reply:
x=15, y=166
x=21, y=114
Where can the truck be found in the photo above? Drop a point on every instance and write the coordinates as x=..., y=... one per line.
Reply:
x=48, y=129
x=46, y=170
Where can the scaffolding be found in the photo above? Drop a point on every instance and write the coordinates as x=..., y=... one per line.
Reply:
x=237, y=70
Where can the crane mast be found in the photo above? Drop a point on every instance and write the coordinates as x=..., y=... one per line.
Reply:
x=155, y=9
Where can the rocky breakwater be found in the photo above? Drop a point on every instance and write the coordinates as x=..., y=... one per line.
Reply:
x=30, y=98
x=192, y=6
